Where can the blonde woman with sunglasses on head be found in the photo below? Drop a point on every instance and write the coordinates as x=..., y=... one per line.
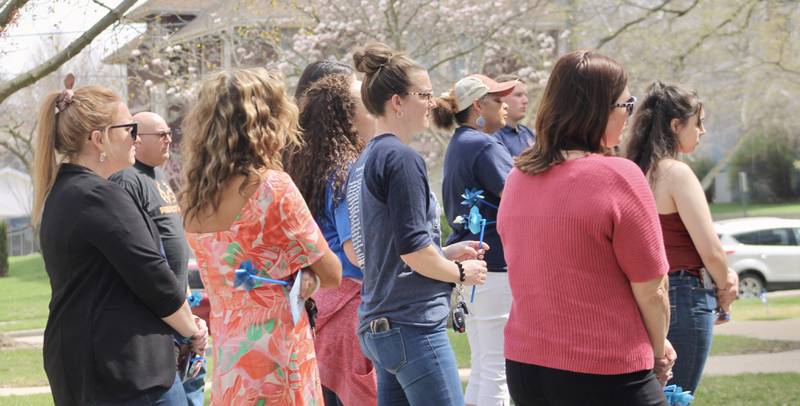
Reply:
x=115, y=301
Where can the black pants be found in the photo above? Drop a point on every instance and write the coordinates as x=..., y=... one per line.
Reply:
x=533, y=385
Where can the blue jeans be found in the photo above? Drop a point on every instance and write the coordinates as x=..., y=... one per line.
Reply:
x=194, y=387
x=414, y=365
x=172, y=396
x=693, y=311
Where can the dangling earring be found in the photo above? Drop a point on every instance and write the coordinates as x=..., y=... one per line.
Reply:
x=480, y=122
x=102, y=157
x=398, y=114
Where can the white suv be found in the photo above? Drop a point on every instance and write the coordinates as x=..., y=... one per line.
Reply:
x=764, y=251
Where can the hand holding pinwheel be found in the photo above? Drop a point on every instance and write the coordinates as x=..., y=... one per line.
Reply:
x=475, y=222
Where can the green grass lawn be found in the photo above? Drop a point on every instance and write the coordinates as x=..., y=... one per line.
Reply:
x=33, y=400
x=22, y=367
x=749, y=389
x=24, y=294
x=731, y=210
x=734, y=345
x=776, y=309
x=460, y=347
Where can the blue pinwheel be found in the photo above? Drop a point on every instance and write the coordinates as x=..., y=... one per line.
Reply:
x=676, y=396
x=475, y=222
x=246, y=277
x=194, y=299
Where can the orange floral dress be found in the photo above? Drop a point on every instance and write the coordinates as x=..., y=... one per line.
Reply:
x=260, y=356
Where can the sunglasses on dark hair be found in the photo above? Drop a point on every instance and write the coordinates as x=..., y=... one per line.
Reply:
x=627, y=104
x=134, y=129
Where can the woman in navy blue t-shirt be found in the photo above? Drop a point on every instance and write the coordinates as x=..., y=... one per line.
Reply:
x=477, y=160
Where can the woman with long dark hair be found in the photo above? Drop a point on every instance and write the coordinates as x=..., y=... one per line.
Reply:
x=670, y=121
x=330, y=113
x=585, y=256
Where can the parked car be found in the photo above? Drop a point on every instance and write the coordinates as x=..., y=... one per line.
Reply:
x=764, y=251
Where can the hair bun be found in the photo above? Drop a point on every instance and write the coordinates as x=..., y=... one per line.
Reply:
x=372, y=57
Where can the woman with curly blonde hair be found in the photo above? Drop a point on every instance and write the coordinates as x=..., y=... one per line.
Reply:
x=250, y=230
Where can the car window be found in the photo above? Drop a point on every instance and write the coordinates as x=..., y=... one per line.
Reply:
x=797, y=236
x=778, y=236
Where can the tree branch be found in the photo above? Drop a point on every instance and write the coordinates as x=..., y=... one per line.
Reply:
x=722, y=24
x=10, y=11
x=102, y=5
x=49, y=66
x=636, y=21
x=18, y=144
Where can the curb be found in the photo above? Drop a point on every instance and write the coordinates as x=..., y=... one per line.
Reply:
x=24, y=333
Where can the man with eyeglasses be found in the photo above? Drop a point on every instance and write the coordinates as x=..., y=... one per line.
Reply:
x=148, y=186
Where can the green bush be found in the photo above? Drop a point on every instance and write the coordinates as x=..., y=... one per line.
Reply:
x=3, y=249
x=768, y=157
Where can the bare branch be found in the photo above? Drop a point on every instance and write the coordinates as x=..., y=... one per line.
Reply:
x=650, y=11
x=102, y=5
x=10, y=11
x=721, y=25
x=19, y=144
x=49, y=66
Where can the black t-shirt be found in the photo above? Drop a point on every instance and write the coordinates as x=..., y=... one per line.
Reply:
x=151, y=191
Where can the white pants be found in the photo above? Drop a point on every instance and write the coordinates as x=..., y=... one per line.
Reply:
x=485, y=324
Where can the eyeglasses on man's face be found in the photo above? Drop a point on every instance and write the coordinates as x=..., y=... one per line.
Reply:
x=161, y=134
x=627, y=104
x=131, y=128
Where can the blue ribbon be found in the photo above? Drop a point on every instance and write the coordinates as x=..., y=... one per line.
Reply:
x=246, y=278
x=676, y=396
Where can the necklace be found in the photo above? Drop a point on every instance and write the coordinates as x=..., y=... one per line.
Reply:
x=575, y=154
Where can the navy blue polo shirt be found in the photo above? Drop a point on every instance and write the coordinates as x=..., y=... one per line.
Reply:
x=516, y=139
x=475, y=160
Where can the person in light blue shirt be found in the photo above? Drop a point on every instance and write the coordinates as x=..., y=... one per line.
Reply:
x=335, y=128
x=514, y=135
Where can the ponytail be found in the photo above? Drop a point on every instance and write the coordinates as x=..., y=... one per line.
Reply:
x=44, y=160
x=652, y=138
x=63, y=133
x=446, y=114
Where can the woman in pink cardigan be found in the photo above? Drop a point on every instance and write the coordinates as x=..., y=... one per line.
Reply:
x=586, y=260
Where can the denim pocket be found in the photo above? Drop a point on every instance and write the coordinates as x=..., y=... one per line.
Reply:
x=387, y=348
x=704, y=301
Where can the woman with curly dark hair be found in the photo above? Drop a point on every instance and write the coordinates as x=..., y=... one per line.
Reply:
x=330, y=112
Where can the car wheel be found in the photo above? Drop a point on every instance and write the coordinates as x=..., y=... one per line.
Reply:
x=750, y=285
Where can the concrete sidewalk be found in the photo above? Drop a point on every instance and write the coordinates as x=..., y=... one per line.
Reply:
x=787, y=330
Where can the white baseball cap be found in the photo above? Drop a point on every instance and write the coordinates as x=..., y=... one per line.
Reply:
x=473, y=87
